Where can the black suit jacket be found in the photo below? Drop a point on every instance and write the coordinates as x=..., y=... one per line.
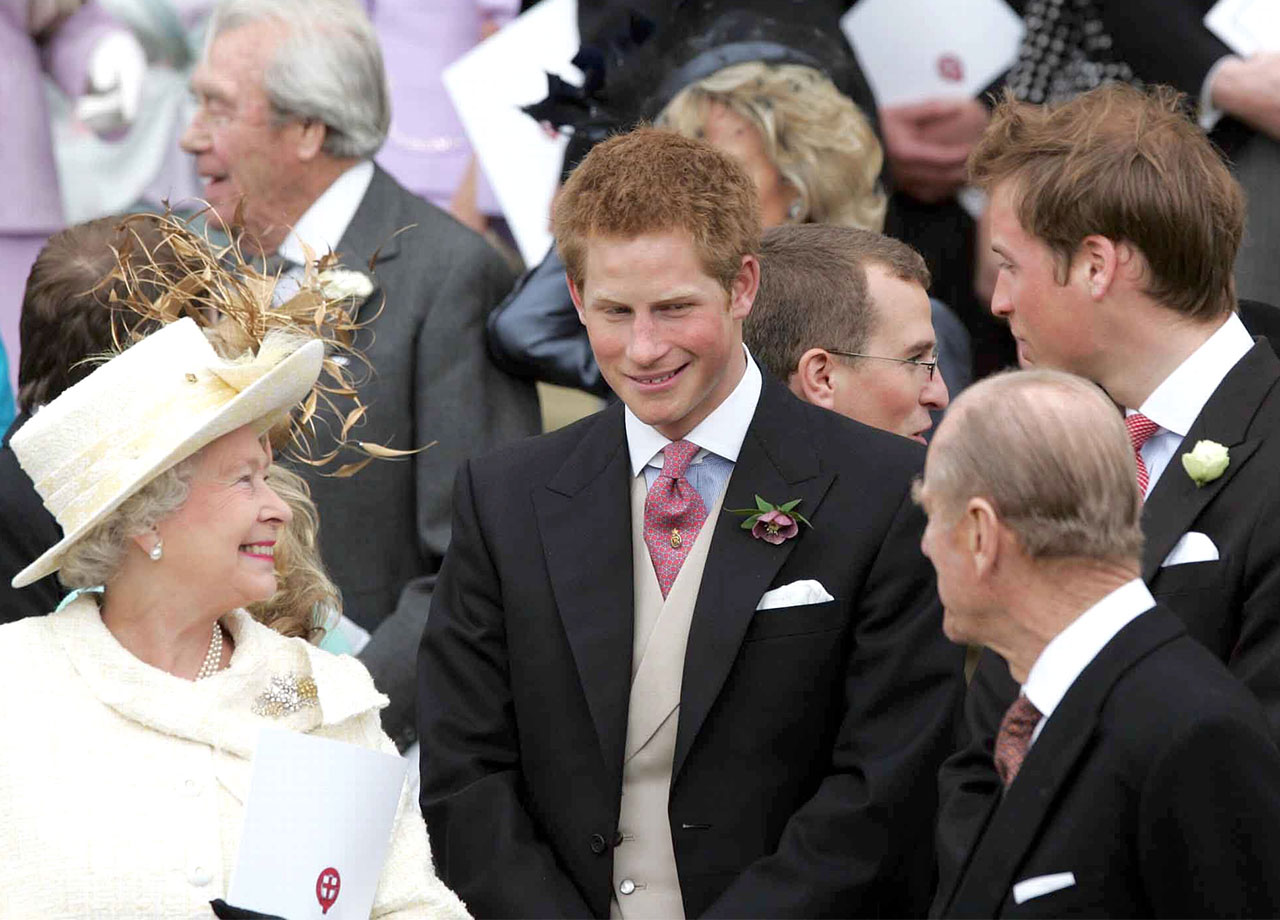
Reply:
x=1154, y=782
x=808, y=738
x=383, y=532
x=1230, y=605
x=26, y=531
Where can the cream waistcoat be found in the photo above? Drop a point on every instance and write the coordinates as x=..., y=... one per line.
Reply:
x=645, y=880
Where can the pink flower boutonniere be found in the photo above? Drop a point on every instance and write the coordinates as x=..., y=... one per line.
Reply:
x=772, y=523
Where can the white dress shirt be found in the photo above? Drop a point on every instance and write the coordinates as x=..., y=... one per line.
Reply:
x=322, y=225
x=1070, y=651
x=1175, y=404
x=719, y=437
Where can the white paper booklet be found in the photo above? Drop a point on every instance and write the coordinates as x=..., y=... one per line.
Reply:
x=317, y=827
x=911, y=50
x=488, y=85
x=1246, y=26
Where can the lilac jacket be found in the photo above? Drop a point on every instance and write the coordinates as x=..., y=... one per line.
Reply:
x=31, y=204
x=427, y=150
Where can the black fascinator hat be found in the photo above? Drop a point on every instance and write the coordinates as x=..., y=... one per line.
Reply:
x=630, y=77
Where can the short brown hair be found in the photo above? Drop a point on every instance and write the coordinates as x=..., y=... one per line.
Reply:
x=1130, y=166
x=814, y=293
x=67, y=315
x=1050, y=452
x=653, y=181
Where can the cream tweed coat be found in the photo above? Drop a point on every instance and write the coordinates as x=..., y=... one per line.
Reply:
x=122, y=787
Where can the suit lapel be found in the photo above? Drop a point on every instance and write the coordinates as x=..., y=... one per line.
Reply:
x=1176, y=501
x=373, y=236
x=584, y=521
x=1001, y=849
x=779, y=463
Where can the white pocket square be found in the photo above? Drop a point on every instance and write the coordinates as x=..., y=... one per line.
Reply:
x=1041, y=885
x=796, y=594
x=1192, y=547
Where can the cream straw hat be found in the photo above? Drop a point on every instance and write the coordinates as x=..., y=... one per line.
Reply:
x=145, y=410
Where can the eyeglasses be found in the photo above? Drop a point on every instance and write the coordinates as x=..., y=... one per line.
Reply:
x=929, y=366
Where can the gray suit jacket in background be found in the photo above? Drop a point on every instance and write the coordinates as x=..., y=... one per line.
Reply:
x=383, y=532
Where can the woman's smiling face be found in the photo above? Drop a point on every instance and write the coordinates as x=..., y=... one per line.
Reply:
x=223, y=537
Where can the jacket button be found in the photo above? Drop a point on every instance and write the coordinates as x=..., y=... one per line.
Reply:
x=597, y=844
x=627, y=886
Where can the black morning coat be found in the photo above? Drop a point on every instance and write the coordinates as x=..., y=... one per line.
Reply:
x=1230, y=605
x=809, y=737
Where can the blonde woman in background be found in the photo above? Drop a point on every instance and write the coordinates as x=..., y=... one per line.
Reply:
x=809, y=148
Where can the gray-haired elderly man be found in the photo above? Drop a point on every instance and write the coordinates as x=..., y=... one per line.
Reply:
x=293, y=104
x=1138, y=776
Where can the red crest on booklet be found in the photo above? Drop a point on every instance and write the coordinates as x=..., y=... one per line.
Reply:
x=950, y=68
x=328, y=884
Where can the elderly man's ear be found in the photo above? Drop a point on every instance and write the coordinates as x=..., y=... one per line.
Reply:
x=813, y=380
x=308, y=138
x=982, y=536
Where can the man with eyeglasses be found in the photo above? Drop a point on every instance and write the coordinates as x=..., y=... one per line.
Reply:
x=843, y=319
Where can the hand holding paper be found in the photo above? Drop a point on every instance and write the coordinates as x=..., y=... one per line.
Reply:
x=927, y=144
x=1249, y=89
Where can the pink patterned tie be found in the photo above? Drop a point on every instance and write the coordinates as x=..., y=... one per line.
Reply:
x=673, y=514
x=1014, y=738
x=1141, y=429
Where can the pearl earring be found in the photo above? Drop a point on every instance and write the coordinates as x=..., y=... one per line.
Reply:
x=796, y=209
x=157, y=551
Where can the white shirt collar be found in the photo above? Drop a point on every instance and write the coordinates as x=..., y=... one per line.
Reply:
x=1070, y=651
x=1176, y=403
x=323, y=224
x=722, y=432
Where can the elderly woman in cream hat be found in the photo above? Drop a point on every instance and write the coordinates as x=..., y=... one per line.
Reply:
x=130, y=715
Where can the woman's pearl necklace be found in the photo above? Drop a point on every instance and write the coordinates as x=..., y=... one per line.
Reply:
x=213, y=657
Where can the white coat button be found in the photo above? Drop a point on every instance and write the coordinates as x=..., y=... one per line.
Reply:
x=627, y=886
x=200, y=876
x=190, y=787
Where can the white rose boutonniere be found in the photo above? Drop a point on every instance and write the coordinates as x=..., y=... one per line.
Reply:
x=1206, y=462
x=340, y=283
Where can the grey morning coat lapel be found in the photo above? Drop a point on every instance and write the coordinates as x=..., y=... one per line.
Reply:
x=373, y=236
x=1176, y=500
x=779, y=462
x=999, y=851
x=584, y=522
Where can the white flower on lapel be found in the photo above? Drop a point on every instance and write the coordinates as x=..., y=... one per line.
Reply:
x=341, y=283
x=1206, y=462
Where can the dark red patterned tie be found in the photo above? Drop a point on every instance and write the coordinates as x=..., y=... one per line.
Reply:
x=1014, y=738
x=1141, y=429
x=673, y=514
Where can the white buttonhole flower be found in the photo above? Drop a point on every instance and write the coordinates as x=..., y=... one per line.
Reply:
x=1206, y=462
x=340, y=283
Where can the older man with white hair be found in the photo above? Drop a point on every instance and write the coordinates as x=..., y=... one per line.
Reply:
x=1137, y=776
x=293, y=104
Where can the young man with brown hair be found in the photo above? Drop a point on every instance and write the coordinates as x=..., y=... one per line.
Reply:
x=843, y=318
x=1117, y=224
x=630, y=705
